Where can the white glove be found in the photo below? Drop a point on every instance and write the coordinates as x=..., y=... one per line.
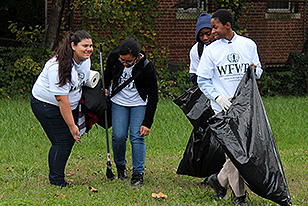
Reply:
x=223, y=102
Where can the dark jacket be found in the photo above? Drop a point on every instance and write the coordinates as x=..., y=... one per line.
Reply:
x=146, y=82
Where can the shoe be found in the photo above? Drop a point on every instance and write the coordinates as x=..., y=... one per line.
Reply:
x=122, y=172
x=240, y=201
x=204, y=182
x=65, y=184
x=220, y=191
x=137, y=179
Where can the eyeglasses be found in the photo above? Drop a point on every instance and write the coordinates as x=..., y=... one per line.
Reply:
x=128, y=62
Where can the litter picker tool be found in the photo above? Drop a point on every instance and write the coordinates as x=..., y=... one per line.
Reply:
x=109, y=172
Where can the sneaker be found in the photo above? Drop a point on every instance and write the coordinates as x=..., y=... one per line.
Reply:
x=204, y=182
x=65, y=184
x=122, y=172
x=240, y=201
x=137, y=179
x=220, y=191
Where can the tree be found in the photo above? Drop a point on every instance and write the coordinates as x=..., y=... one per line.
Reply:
x=54, y=22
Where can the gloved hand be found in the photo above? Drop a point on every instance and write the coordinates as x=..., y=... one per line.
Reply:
x=223, y=102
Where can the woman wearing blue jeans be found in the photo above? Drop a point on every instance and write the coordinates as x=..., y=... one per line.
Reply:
x=133, y=108
x=55, y=97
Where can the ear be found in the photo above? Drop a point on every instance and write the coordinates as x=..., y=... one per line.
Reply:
x=73, y=46
x=228, y=25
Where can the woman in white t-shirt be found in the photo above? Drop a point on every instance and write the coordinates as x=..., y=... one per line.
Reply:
x=55, y=97
x=133, y=108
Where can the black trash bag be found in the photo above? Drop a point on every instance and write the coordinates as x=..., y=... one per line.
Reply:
x=246, y=136
x=203, y=155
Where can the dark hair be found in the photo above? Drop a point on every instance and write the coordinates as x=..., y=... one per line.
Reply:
x=129, y=46
x=224, y=16
x=64, y=54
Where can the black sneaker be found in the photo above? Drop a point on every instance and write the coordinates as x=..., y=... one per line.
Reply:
x=122, y=172
x=240, y=201
x=137, y=179
x=65, y=184
x=220, y=191
x=204, y=182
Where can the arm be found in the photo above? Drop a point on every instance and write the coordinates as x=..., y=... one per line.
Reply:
x=207, y=87
x=66, y=112
x=152, y=90
x=194, y=61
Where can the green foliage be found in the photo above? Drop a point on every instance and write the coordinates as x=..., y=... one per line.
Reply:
x=20, y=66
x=20, y=77
x=33, y=37
x=293, y=81
x=110, y=22
x=240, y=10
x=173, y=84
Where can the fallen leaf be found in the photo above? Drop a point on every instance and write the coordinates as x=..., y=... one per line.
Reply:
x=63, y=196
x=159, y=195
x=92, y=189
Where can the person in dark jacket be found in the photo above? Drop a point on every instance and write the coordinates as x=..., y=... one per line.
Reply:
x=133, y=107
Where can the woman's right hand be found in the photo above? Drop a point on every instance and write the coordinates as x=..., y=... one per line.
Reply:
x=75, y=133
x=106, y=92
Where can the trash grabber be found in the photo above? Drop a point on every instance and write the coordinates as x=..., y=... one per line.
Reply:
x=109, y=172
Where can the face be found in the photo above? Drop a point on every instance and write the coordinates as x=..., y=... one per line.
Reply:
x=219, y=31
x=82, y=50
x=206, y=36
x=128, y=60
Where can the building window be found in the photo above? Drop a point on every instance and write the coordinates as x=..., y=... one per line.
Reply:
x=282, y=7
x=282, y=10
x=190, y=9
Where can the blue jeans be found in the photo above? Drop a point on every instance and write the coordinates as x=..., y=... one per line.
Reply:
x=59, y=135
x=122, y=119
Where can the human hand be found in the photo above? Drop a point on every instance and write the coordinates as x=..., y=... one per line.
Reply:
x=75, y=133
x=144, y=131
x=223, y=102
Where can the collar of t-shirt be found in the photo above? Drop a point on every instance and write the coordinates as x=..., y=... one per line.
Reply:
x=230, y=41
x=78, y=65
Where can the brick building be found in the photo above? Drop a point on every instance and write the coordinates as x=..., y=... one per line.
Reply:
x=277, y=27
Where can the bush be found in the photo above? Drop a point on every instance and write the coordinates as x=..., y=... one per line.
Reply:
x=22, y=64
x=20, y=77
x=173, y=84
x=292, y=82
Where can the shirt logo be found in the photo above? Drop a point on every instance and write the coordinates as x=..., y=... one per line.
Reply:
x=232, y=58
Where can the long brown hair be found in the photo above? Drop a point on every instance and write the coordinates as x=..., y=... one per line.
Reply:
x=65, y=53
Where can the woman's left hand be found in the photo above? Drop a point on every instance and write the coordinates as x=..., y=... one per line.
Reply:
x=144, y=131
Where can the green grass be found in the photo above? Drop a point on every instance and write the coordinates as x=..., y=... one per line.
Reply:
x=24, y=169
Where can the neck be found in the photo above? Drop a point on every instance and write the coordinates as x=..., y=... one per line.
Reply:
x=230, y=35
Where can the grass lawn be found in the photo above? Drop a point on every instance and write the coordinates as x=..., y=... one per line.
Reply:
x=24, y=170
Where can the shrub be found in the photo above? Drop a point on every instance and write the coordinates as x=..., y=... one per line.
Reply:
x=20, y=78
x=293, y=81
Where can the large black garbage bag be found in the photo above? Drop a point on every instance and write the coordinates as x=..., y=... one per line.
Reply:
x=203, y=155
x=246, y=136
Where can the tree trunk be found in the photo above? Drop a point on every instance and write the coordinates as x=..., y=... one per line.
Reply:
x=54, y=22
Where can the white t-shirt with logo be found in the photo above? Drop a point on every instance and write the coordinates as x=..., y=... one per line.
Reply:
x=225, y=63
x=46, y=85
x=129, y=95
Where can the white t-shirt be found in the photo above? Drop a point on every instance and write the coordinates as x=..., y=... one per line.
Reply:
x=225, y=62
x=129, y=95
x=46, y=85
x=194, y=58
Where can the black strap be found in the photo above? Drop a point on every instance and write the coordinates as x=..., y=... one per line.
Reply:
x=200, y=49
x=119, y=88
